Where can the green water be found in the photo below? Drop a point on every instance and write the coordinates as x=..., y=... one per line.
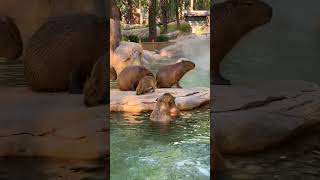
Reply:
x=142, y=150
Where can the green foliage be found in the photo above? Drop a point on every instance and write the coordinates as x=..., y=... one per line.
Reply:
x=161, y=38
x=184, y=27
x=131, y=38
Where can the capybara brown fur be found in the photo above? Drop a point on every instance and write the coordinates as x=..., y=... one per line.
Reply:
x=146, y=84
x=232, y=20
x=170, y=75
x=61, y=53
x=10, y=39
x=113, y=74
x=96, y=88
x=130, y=77
x=165, y=110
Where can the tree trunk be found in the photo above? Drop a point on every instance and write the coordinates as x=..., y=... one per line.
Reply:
x=164, y=15
x=130, y=10
x=152, y=21
x=177, y=13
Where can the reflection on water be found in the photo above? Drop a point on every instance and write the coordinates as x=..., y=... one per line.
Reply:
x=142, y=150
x=286, y=48
x=34, y=169
x=299, y=159
x=11, y=74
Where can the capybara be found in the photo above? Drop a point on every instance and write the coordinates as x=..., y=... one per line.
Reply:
x=146, y=84
x=130, y=77
x=165, y=110
x=233, y=19
x=170, y=75
x=96, y=87
x=10, y=39
x=60, y=55
x=113, y=74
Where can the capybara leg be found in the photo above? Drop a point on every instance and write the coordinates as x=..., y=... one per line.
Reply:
x=74, y=83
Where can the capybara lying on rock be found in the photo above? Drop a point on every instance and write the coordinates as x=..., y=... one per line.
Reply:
x=61, y=53
x=170, y=75
x=96, y=87
x=10, y=39
x=130, y=77
x=146, y=84
x=231, y=21
x=165, y=110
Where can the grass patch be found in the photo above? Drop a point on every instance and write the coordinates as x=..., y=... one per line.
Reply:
x=184, y=27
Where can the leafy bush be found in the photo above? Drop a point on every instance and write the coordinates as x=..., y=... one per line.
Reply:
x=131, y=38
x=185, y=27
x=162, y=38
x=125, y=38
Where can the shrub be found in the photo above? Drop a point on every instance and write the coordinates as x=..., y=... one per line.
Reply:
x=131, y=38
x=162, y=38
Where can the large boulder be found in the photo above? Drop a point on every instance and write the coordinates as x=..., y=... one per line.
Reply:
x=127, y=53
x=51, y=126
x=186, y=99
x=252, y=119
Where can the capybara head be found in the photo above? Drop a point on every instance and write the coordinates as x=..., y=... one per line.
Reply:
x=252, y=13
x=187, y=65
x=146, y=84
x=166, y=109
x=10, y=38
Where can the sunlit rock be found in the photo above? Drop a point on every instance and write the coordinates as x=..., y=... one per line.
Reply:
x=186, y=99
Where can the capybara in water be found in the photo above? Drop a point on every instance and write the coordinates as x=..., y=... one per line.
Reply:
x=170, y=75
x=61, y=53
x=96, y=88
x=130, y=77
x=231, y=21
x=146, y=84
x=113, y=74
x=165, y=110
x=10, y=39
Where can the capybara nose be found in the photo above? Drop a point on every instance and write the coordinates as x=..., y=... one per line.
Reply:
x=174, y=112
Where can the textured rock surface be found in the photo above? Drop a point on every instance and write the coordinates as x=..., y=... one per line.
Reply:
x=186, y=99
x=51, y=125
x=127, y=53
x=252, y=119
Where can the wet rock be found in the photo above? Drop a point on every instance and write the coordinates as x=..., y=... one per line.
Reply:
x=150, y=57
x=51, y=125
x=186, y=99
x=254, y=118
x=177, y=49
